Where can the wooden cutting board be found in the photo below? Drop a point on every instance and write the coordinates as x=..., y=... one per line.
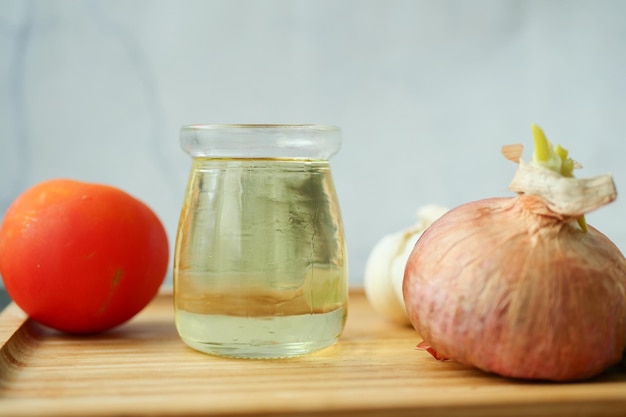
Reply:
x=142, y=368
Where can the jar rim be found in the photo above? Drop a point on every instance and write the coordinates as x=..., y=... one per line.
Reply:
x=310, y=141
x=263, y=126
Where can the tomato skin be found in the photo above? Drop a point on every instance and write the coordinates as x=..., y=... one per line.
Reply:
x=80, y=257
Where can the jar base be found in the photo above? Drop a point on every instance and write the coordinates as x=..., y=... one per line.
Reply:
x=260, y=337
x=283, y=351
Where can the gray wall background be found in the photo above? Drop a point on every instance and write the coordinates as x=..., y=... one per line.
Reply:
x=426, y=92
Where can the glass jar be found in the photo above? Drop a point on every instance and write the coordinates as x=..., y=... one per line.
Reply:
x=260, y=268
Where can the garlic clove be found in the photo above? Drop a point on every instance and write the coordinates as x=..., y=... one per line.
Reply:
x=384, y=270
x=399, y=264
x=378, y=283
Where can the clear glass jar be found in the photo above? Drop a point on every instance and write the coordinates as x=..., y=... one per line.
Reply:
x=260, y=268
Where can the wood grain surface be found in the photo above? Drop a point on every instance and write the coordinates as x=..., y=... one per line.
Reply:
x=142, y=368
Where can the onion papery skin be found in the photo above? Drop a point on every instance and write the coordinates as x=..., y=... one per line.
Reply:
x=509, y=287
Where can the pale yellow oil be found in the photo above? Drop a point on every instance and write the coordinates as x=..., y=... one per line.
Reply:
x=260, y=267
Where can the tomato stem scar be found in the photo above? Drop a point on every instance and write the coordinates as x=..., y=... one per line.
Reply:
x=117, y=277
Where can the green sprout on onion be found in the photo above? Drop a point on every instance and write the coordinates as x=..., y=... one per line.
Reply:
x=555, y=158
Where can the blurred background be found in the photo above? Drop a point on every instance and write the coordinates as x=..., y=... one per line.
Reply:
x=425, y=92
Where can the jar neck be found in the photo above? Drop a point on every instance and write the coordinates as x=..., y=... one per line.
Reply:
x=313, y=142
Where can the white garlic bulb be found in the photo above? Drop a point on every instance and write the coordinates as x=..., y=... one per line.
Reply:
x=384, y=270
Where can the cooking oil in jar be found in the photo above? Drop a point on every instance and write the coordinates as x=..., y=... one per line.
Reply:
x=260, y=265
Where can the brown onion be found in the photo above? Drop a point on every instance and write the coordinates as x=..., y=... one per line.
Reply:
x=514, y=286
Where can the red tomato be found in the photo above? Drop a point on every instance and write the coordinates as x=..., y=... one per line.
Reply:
x=79, y=257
